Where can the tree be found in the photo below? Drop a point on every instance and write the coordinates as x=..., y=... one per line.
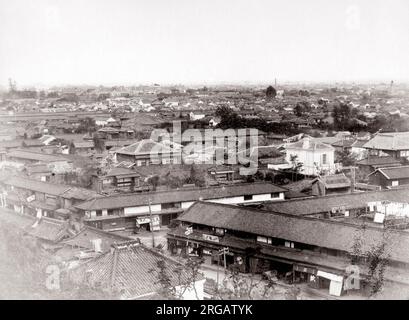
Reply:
x=342, y=115
x=299, y=110
x=271, y=92
x=99, y=144
x=345, y=157
x=154, y=181
x=195, y=177
x=375, y=259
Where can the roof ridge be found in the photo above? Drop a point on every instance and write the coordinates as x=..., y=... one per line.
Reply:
x=263, y=211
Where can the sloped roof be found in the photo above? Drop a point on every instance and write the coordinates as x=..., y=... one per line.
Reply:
x=119, y=171
x=35, y=185
x=334, y=181
x=389, y=141
x=48, y=229
x=65, y=191
x=83, y=238
x=194, y=194
x=144, y=147
x=130, y=269
x=394, y=173
x=84, y=144
x=314, y=231
x=313, y=145
x=32, y=155
x=379, y=161
x=326, y=203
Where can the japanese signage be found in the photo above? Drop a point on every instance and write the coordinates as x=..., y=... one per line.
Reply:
x=209, y=237
x=143, y=220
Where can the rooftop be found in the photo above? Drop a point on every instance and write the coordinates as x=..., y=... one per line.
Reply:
x=145, y=146
x=32, y=155
x=193, y=194
x=327, y=203
x=394, y=173
x=130, y=269
x=313, y=231
x=309, y=144
x=334, y=181
x=389, y=141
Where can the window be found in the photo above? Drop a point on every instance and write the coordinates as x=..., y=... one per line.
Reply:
x=264, y=239
x=248, y=197
x=404, y=153
x=99, y=213
x=324, y=158
x=275, y=195
x=110, y=212
x=289, y=244
x=395, y=183
x=219, y=232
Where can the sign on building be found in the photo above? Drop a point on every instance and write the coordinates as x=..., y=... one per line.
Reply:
x=209, y=237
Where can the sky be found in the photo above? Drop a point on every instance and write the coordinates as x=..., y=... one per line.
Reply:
x=130, y=42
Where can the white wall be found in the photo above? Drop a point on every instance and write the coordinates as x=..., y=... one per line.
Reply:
x=186, y=205
x=142, y=209
x=256, y=198
x=309, y=157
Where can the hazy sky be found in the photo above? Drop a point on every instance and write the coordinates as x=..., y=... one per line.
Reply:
x=208, y=41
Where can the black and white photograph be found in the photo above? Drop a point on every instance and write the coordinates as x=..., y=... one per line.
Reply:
x=176, y=151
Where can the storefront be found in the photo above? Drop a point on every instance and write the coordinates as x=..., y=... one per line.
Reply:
x=148, y=223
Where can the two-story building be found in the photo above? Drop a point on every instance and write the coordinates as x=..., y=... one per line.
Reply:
x=299, y=249
x=315, y=157
x=394, y=144
x=156, y=209
x=148, y=152
x=40, y=198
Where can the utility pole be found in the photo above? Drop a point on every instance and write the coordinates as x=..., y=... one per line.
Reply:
x=151, y=224
x=352, y=169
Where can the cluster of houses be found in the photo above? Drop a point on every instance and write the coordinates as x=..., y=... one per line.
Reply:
x=90, y=196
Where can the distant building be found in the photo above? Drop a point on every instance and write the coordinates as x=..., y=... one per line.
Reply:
x=331, y=184
x=148, y=152
x=387, y=178
x=130, y=270
x=312, y=251
x=370, y=164
x=132, y=211
x=394, y=144
x=315, y=157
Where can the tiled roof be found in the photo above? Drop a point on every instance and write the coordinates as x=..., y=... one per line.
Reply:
x=130, y=269
x=377, y=161
x=84, y=144
x=335, y=181
x=140, y=199
x=115, y=172
x=312, y=145
x=144, y=147
x=65, y=191
x=395, y=173
x=83, y=238
x=38, y=156
x=389, y=141
x=314, y=231
x=48, y=229
x=326, y=203
x=35, y=185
